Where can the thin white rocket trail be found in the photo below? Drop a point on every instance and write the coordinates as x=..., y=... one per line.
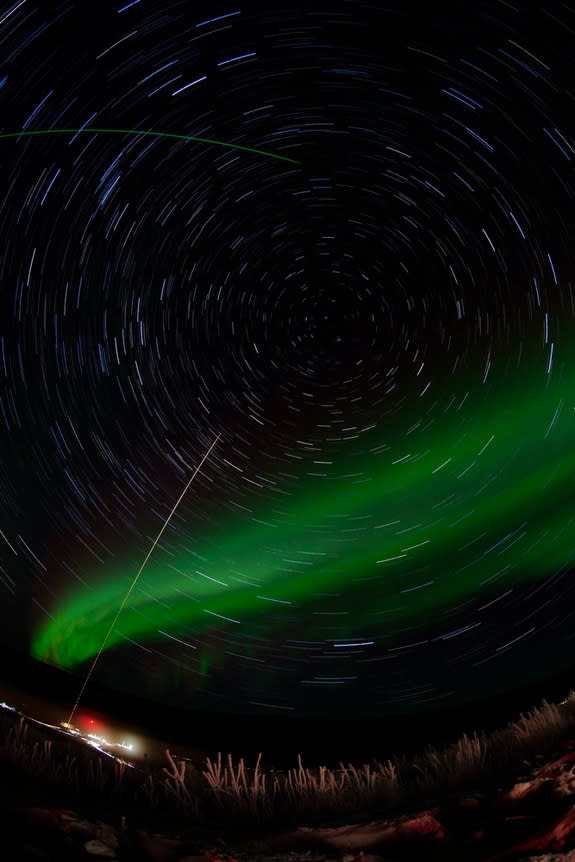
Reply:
x=135, y=581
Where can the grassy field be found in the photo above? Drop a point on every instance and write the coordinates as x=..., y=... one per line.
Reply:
x=49, y=770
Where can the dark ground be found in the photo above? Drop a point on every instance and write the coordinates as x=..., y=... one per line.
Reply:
x=524, y=809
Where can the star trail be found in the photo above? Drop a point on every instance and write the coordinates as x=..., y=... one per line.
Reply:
x=339, y=240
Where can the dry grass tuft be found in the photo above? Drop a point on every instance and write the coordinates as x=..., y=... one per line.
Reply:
x=455, y=766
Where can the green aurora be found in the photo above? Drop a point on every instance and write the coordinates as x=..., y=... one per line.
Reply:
x=445, y=504
x=144, y=132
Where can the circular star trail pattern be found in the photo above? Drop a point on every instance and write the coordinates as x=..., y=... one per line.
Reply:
x=341, y=238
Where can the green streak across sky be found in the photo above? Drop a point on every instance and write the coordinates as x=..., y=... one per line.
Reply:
x=150, y=134
x=447, y=506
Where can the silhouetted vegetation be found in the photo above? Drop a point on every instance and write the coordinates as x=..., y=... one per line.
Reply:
x=42, y=768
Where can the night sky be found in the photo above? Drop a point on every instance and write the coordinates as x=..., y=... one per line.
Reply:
x=362, y=278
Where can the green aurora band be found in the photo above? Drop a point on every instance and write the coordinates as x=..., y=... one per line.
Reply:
x=152, y=134
x=445, y=504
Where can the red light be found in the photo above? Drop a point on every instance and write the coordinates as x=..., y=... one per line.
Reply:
x=89, y=724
